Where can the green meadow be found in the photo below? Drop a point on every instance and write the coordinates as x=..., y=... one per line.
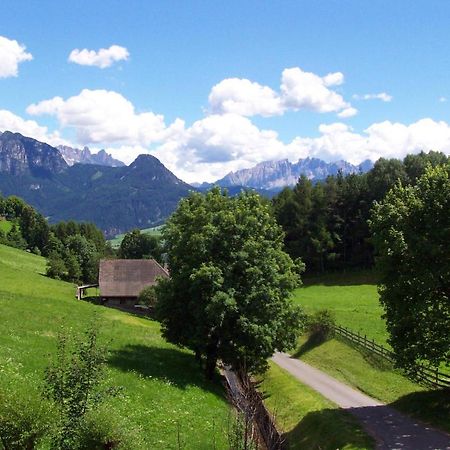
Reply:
x=353, y=299
x=164, y=394
x=308, y=420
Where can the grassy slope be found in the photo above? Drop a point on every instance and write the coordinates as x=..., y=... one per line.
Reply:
x=309, y=421
x=356, y=306
x=352, y=297
x=164, y=389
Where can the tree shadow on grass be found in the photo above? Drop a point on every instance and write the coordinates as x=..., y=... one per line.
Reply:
x=342, y=278
x=168, y=364
x=312, y=343
x=327, y=429
x=432, y=406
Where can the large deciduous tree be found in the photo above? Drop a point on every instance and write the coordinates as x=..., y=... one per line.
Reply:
x=228, y=297
x=411, y=232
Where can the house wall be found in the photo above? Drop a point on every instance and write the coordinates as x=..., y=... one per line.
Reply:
x=119, y=301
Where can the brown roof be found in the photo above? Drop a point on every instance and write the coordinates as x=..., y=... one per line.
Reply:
x=127, y=277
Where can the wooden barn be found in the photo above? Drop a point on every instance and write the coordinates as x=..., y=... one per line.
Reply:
x=121, y=280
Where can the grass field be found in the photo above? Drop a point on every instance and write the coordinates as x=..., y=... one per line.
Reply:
x=5, y=226
x=164, y=390
x=309, y=421
x=352, y=297
x=354, y=300
x=155, y=231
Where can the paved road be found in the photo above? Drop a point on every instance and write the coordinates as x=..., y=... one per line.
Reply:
x=390, y=429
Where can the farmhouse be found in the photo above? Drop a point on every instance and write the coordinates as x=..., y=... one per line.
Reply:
x=121, y=280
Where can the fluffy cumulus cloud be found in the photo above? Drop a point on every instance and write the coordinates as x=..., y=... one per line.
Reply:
x=11, y=55
x=208, y=148
x=244, y=97
x=11, y=122
x=383, y=96
x=100, y=116
x=298, y=90
x=103, y=58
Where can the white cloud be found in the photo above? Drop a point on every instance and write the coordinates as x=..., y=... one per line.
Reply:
x=381, y=96
x=11, y=55
x=103, y=58
x=100, y=116
x=241, y=96
x=442, y=99
x=11, y=122
x=306, y=90
x=211, y=147
x=348, y=112
x=298, y=90
x=208, y=149
x=333, y=79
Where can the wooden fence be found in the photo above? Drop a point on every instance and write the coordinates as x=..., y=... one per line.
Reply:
x=248, y=400
x=422, y=373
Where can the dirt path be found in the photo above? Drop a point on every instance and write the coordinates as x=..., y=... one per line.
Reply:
x=391, y=429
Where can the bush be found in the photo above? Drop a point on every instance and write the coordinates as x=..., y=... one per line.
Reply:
x=75, y=382
x=321, y=326
x=102, y=430
x=25, y=418
x=147, y=297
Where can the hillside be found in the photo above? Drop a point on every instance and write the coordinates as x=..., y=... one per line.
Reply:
x=116, y=199
x=163, y=388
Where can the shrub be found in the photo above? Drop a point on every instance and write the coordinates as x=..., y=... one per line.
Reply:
x=321, y=326
x=102, y=430
x=25, y=418
x=147, y=297
x=75, y=383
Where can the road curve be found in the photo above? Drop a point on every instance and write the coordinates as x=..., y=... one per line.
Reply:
x=390, y=429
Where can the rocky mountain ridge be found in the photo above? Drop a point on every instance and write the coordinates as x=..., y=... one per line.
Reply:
x=278, y=174
x=85, y=156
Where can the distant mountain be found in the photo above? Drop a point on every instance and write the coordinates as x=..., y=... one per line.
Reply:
x=20, y=155
x=274, y=175
x=116, y=199
x=75, y=155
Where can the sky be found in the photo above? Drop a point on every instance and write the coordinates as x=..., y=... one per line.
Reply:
x=210, y=87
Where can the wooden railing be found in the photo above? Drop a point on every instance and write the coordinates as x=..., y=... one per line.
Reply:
x=423, y=374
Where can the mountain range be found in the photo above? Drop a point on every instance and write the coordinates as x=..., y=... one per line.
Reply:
x=85, y=156
x=66, y=183
x=275, y=175
x=116, y=199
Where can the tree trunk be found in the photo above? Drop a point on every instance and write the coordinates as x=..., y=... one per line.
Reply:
x=211, y=357
x=210, y=368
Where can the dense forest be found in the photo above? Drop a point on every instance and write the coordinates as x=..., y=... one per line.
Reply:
x=325, y=223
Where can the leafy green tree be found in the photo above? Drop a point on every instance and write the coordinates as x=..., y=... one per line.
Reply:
x=415, y=165
x=228, y=296
x=14, y=238
x=56, y=267
x=86, y=254
x=73, y=268
x=411, y=232
x=137, y=245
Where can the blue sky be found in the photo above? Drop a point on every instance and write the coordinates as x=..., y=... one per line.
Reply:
x=210, y=87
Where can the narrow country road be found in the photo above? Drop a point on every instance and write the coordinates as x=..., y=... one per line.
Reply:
x=390, y=429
